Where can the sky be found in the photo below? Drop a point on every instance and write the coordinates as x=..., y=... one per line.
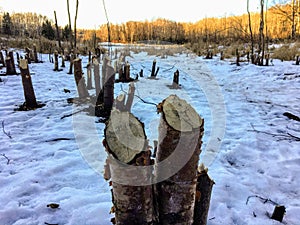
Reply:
x=91, y=13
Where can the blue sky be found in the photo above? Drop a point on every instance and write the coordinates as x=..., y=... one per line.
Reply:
x=91, y=12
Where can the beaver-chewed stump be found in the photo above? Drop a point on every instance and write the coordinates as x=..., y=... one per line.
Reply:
x=127, y=147
x=179, y=147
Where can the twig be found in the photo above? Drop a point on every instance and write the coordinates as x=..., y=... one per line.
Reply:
x=7, y=134
x=169, y=68
x=264, y=200
x=71, y=114
x=8, y=160
x=288, y=135
x=150, y=103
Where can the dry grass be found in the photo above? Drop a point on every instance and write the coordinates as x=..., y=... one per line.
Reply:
x=287, y=52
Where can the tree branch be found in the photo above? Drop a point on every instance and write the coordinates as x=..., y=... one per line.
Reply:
x=8, y=160
x=6, y=133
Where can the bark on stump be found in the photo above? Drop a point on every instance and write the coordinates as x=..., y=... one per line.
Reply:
x=203, y=195
x=10, y=64
x=2, y=61
x=153, y=68
x=108, y=88
x=176, y=79
x=97, y=80
x=80, y=83
x=126, y=143
x=180, y=133
x=30, y=99
x=89, y=76
x=56, y=61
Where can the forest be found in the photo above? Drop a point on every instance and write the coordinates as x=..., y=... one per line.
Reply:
x=276, y=23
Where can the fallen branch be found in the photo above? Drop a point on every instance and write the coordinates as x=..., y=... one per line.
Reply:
x=169, y=68
x=8, y=160
x=6, y=133
x=291, y=116
x=71, y=114
x=60, y=139
x=287, y=135
x=264, y=200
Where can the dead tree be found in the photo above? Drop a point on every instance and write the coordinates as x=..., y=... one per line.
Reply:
x=80, y=83
x=30, y=100
x=179, y=142
x=57, y=31
x=75, y=24
x=126, y=144
x=127, y=71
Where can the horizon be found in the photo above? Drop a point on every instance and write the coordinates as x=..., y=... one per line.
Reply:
x=132, y=10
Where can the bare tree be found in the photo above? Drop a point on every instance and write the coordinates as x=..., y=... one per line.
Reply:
x=251, y=33
x=70, y=25
x=261, y=43
x=75, y=23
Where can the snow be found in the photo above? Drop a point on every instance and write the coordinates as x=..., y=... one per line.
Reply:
x=246, y=145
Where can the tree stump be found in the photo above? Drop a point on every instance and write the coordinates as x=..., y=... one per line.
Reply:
x=89, y=76
x=108, y=88
x=297, y=60
x=72, y=57
x=237, y=57
x=10, y=64
x=80, y=83
x=203, y=195
x=153, y=68
x=176, y=79
x=126, y=143
x=180, y=133
x=30, y=99
x=127, y=71
x=35, y=55
x=2, y=61
x=56, y=61
x=97, y=80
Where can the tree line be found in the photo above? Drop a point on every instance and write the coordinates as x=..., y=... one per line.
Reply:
x=281, y=21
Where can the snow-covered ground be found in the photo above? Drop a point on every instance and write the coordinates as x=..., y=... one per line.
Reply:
x=50, y=159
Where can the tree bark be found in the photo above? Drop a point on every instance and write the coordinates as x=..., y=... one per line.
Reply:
x=30, y=99
x=97, y=80
x=75, y=24
x=153, y=68
x=10, y=64
x=108, y=88
x=203, y=195
x=176, y=79
x=80, y=83
x=180, y=133
x=70, y=26
x=56, y=61
x=133, y=205
x=57, y=31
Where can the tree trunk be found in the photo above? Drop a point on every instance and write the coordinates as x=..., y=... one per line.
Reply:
x=176, y=79
x=56, y=61
x=72, y=57
x=70, y=26
x=35, y=55
x=75, y=24
x=2, y=61
x=30, y=99
x=180, y=133
x=97, y=81
x=57, y=31
x=133, y=205
x=80, y=83
x=153, y=68
x=108, y=88
x=10, y=64
x=89, y=76
x=203, y=195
